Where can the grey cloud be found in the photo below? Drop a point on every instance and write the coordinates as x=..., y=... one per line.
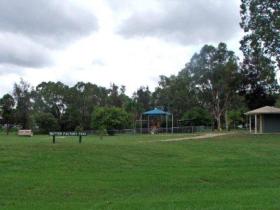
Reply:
x=188, y=22
x=28, y=28
x=51, y=19
x=20, y=51
x=7, y=69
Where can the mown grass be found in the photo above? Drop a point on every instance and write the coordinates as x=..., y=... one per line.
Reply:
x=140, y=172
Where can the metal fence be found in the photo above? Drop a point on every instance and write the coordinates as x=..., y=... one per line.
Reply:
x=184, y=129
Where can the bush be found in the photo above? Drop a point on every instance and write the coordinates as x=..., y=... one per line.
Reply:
x=79, y=128
x=236, y=118
x=198, y=116
x=46, y=122
x=109, y=119
x=102, y=132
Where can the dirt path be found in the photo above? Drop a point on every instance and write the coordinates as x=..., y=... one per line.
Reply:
x=204, y=136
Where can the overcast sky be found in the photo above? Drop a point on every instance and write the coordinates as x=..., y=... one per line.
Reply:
x=128, y=42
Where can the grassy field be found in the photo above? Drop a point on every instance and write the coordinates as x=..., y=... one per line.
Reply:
x=140, y=172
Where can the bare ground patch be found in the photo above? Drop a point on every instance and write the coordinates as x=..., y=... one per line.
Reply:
x=204, y=136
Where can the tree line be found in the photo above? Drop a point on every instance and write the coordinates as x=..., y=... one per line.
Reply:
x=215, y=87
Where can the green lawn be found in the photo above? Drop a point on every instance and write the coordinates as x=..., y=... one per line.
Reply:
x=140, y=172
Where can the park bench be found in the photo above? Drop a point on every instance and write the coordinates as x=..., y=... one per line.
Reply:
x=25, y=133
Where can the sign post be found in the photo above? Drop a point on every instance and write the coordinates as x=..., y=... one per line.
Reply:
x=80, y=134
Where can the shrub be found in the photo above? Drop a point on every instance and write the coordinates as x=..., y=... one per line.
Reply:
x=110, y=119
x=46, y=122
x=198, y=116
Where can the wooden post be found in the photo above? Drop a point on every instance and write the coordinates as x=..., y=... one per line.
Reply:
x=256, y=124
x=53, y=139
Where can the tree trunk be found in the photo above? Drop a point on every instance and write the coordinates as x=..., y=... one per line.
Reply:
x=219, y=122
x=8, y=129
x=217, y=111
x=226, y=120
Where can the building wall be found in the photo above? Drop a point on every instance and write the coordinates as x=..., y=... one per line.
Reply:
x=271, y=123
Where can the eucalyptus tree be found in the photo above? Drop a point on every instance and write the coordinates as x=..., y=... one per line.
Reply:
x=214, y=72
x=175, y=93
x=51, y=97
x=83, y=98
x=142, y=99
x=22, y=95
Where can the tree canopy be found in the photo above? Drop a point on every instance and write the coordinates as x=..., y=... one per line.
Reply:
x=261, y=24
x=7, y=104
x=214, y=72
x=260, y=20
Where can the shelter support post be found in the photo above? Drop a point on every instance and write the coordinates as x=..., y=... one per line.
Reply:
x=141, y=125
x=134, y=128
x=166, y=121
x=250, y=123
x=172, y=123
x=148, y=124
x=261, y=123
x=256, y=124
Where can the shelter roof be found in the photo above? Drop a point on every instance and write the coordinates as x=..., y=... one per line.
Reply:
x=264, y=110
x=156, y=112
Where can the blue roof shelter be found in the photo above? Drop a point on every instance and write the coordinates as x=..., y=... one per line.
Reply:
x=157, y=112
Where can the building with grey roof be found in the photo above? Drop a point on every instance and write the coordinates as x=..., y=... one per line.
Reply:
x=264, y=120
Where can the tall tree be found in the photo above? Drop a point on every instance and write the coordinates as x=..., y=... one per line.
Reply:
x=175, y=93
x=22, y=94
x=117, y=97
x=260, y=20
x=258, y=84
x=8, y=113
x=50, y=97
x=142, y=99
x=84, y=97
x=215, y=74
